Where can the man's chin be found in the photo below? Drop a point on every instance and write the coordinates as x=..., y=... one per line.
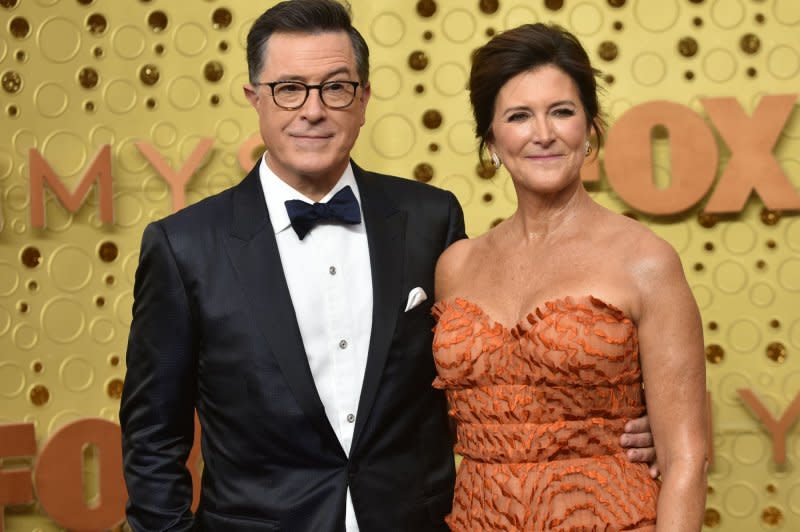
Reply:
x=312, y=144
x=321, y=168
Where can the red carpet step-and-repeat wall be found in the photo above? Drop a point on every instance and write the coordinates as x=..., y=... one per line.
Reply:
x=117, y=112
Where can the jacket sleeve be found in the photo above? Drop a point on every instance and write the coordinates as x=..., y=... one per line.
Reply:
x=455, y=229
x=157, y=409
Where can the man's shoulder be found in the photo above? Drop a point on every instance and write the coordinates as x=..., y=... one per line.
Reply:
x=207, y=212
x=401, y=188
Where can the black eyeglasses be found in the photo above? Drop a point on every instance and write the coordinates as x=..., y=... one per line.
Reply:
x=291, y=95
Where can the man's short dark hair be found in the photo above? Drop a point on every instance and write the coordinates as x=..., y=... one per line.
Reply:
x=304, y=17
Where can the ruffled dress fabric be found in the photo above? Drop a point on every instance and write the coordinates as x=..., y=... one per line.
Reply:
x=540, y=408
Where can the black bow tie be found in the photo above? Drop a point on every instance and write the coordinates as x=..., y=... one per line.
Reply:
x=342, y=207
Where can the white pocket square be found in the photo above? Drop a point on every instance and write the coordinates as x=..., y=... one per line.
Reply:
x=415, y=297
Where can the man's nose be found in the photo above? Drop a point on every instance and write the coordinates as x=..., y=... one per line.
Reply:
x=314, y=109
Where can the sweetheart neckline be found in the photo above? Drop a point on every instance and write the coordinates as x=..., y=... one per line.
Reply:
x=596, y=302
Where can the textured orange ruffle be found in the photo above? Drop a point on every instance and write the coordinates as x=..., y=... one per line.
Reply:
x=540, y=408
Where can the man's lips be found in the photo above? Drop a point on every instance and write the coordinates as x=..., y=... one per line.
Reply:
x=311, y=136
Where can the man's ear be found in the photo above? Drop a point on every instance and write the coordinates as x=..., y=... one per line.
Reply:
x=365, y=94
x=251, y=93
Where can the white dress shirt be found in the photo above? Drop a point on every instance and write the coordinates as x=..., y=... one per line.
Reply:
x=330, y=283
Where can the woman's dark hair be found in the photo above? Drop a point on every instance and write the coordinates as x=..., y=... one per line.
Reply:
x=522, y=49
x=304, y=16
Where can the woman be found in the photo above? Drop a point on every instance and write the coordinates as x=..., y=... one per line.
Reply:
x=549, y=323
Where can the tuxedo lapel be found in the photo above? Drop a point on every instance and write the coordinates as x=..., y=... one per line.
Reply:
x=386, y=226
x=254, y=252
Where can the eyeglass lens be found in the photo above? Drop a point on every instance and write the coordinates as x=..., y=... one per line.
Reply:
x=294, y=94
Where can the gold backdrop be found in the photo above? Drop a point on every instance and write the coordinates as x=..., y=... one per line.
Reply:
x=80, y=74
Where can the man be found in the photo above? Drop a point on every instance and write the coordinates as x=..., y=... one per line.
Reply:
x=301, y=333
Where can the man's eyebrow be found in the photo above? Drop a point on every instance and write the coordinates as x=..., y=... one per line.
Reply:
x=330, y=74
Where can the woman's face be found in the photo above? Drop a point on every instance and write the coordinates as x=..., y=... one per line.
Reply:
x=540, y=129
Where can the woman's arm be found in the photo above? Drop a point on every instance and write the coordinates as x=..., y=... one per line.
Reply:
x=673, y=367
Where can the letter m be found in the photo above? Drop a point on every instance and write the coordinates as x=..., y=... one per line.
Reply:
x=99, y=170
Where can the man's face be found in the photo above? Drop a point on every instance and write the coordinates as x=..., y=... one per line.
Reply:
x=308, y=147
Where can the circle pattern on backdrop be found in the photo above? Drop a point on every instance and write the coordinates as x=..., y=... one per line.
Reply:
x=392, y=136
x=120, y=96
x=744, y=336
x=586, y=19
x=459, y=25
x=70, y=268
x=50, y=99
x=783, y=62
x=727, y=14
x=656, y=15
x=9, y=279
x=386, y=82
x=184, y=93
x=450, y=79
x=785, y=12
x=789, y=275
x=58, y=39
x=63, y=320
x=730, y=277
x=518, y=15
x=387, y=29
x=649, y=69
x=12, y=380
x=719, y=65
x=762, y=295
x=190, y=39
x=76, y=373
x=65, y=152
x=128, y=42
x=739, y=238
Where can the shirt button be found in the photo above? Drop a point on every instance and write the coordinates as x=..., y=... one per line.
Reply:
x=350, y=418
x=332, y=270
x=343, y=344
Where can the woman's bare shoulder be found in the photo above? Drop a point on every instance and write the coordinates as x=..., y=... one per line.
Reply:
x=452, y=267
x=639, y=245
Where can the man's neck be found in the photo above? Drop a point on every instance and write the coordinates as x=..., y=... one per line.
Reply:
x=314, y=187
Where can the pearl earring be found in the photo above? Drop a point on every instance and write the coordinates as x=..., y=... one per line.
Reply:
x=496, y=161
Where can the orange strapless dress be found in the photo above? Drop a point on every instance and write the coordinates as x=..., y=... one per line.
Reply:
x=540, y=409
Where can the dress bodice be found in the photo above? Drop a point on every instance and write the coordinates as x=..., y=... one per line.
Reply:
x=543, y=402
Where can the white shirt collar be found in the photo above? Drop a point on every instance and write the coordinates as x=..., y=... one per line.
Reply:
x=277, y=192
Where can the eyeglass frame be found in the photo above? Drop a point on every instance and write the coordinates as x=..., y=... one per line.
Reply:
x=318, y=86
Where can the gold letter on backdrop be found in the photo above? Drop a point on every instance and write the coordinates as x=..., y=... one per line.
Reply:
x=629, y=157
x=752, y=166
x=16, y=440
x=247, y=152
x=176, y=180
x=59, y=476
x=40, y=171
x=777, y=428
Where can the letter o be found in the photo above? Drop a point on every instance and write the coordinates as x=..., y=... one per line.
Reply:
x=59, y=476
x=629, y=158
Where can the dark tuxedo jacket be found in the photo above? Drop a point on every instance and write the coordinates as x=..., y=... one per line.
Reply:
x=214, y=330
